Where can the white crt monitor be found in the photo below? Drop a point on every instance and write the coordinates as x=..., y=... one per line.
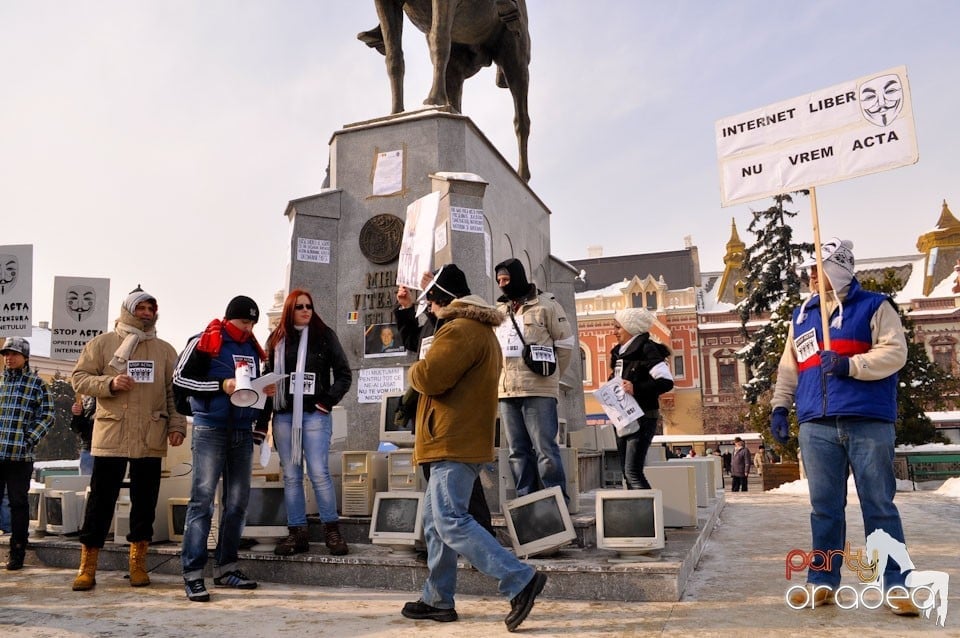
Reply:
x=266, y=511
x=630, y=522
x=37, y=511
x=538, y=522
x=397, y=519
x=401, y=435
x=64, y=511
x=176, y=517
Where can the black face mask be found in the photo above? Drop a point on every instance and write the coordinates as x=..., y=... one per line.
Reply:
x=518, y=286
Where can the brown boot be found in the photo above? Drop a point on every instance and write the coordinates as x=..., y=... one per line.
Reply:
x=86, y=576
x=138, y=564
x=296, y=542
x=333, y=539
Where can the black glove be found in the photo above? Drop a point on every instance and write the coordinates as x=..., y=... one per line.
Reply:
x=835, y=364
x=779, y=426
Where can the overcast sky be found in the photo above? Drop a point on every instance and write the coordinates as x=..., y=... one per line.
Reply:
x=158, y=142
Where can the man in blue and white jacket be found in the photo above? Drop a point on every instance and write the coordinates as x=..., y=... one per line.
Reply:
x=846, y=401
x=223, y=440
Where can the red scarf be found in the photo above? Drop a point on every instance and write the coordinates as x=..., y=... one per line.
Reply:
x=212, y=338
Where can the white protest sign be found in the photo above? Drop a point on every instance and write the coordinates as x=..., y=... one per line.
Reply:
x=621, y=408
x=16, y=290
x=80, y=313
x=374, y=382
x=416, y=247
x=856, y=128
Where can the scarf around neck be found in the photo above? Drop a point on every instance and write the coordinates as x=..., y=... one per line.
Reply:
x=132, y=336
x=212, y=338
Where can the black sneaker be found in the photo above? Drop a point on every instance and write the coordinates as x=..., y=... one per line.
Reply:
x=236, y=579
x=196, y=590
x=522, y=603
x=422, y=611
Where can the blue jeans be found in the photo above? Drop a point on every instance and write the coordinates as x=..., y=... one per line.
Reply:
x=829, y=447
x=216, y=452
x=531, y=427
x=86, y=463
x=449, y=530
x=316, y=435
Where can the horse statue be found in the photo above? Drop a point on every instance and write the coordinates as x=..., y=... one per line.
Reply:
x=464, y=36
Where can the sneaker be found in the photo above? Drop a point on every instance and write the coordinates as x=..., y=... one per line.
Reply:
x=522, y=603
x=236, y=579
x=821, y=595
x=422, y=611
x=196, y=590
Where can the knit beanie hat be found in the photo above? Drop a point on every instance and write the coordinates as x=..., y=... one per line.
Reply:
x=838, y=262
x=635, y=320
x=448, y=283
x=241, y=307
x=16, y=344
x=136, y=296
x=518, y=286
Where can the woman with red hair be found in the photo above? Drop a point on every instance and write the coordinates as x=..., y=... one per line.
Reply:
x=308, y=351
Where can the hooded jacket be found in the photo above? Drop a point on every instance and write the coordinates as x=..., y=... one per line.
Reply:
x=457, y=412
x=132, y=424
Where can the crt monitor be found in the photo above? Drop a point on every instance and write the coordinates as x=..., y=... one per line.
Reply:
x=176, y=517
x=400, y=434
x=266, y=511
x=538, y=522
x=630, y=522
x=38, y=518
x=64, y=511
x=397, y=519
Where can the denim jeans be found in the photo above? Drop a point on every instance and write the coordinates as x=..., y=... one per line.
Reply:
x=316, y=435
x=217, y=451
x=449, y=530
x=632, y=450
x=86, y=463
x=531, y=427
x=829, y=447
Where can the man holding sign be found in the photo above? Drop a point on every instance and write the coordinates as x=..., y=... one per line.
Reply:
x=846, y=401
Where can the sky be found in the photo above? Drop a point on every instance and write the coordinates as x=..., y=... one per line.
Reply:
x=157, y=142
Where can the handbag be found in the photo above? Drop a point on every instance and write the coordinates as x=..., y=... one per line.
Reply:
x=542, y=360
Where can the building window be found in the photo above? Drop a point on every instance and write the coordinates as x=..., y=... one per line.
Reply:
x=585, y=367
x=651, y=301
x=943, y=358
x=678, y=366
x=727, y=375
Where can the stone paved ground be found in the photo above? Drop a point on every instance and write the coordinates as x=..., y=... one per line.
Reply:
x=737, y=590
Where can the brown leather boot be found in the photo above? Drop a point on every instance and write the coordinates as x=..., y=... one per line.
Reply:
x=296, y=542
x=86, y=576
x=333, y=539
x=138, y=564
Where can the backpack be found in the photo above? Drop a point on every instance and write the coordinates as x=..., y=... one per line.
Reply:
x=181, y=398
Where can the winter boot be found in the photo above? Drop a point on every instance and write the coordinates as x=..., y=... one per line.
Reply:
x=296, y=542
x=18, y=552
x=86, y=577
x=333, y=539
x=138, y=564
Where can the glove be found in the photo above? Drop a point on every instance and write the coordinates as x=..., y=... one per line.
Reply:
x=835, y=364
x=779, y=426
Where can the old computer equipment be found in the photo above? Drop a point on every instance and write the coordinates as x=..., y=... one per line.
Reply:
x=64, y=511
x=678, y=483
x=397, y=520
x=266, y=514
x=402, y=434
x=538, y=522
x=364, y=473
x=630, y=522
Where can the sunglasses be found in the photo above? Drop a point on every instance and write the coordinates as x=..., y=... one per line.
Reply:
x=301, y=306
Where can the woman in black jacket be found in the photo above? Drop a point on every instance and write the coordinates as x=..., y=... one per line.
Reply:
x=302, y=346
x=641, y=364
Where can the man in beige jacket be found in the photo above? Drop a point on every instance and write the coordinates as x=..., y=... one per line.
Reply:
x=130, y=373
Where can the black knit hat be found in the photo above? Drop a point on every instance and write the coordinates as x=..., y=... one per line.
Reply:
x=519, y=287
x=448, y=283
x=241, y=307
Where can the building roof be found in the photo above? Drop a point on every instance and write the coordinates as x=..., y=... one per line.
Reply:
x=676, y=267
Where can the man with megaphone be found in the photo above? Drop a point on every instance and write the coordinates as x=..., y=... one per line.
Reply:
x=215, y=370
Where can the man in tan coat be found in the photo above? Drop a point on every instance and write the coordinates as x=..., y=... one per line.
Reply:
x=130, y=373
x=456, y=416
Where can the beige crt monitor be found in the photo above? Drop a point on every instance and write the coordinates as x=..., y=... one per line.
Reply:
x=678, y=483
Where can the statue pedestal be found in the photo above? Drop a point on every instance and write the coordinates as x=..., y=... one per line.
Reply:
x=336, y=252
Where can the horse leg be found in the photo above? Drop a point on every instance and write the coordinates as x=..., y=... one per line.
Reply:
x=439, y=41
x=390, y=13
x=515, y=72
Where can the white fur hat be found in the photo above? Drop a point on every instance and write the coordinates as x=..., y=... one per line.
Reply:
x=635, y=320
x=838, y=261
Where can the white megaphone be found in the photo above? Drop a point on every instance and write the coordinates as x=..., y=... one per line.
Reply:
x=244, y=395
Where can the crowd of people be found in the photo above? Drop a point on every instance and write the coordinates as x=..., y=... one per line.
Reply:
x=476, y=361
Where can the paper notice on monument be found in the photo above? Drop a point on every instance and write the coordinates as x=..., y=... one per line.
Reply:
x=440, y=238
x=16, y=290
x=80, y=313
x=373, y=383
x=416, y=247
x=467, y=220
x=315, y=250
x=388, y=173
